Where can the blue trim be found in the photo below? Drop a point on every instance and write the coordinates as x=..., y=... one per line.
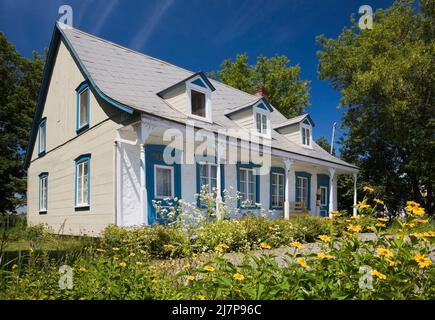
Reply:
x=57, y=36
x=42, y=123
x=79, y=90
x=41, y=176
x=200, y=73
x=199, y=83
x=323, y=181
x=308, y=176
x=80, y=159
x=280, y=171
x=198, y=181
x=257, y=182
x=264, y=104
x=154, y=156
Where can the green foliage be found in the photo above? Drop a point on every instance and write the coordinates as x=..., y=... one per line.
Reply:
x=19, y=84
x=286, y=91
x=323, y=142
x=386, y=77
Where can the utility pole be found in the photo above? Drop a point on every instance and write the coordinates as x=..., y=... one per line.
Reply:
x=333, y=136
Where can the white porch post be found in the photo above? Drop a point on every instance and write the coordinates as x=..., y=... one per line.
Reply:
x=354, y=194
x=331, y=190
x=288, y=163
x=143, y=133
x=219, y=154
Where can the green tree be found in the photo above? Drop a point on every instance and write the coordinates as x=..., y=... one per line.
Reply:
x=387, y=80
x=323, y=142
x=20, y=79
x=286, y=91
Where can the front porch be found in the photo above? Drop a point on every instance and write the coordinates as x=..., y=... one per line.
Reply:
x=292, y=184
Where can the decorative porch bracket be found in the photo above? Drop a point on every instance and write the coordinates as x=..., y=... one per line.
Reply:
x=355, y=212
x=143, y=131
x=288, y=164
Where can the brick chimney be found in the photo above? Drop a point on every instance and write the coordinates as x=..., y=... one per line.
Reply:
x=260, y=92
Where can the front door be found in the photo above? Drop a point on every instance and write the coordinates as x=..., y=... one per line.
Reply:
x=323, y=192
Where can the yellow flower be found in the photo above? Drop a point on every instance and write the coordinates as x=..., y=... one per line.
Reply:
x=390, y=262
x=201, y=297
x=115, y=249
x=122, y=264
x=265, y=245
x=82, y=269
x=132, y=254
x=14, y=267
x=335, y=213
x=354, y=228
x=378, y=201
x=383, y=219
x=142, y=251
x=368, y=189
x=379, y=275
x=384, y=252
x=100, y=250
x=380, y=225
x=363, y=205
x=412, y=204
x=238, y=277
x=116, y=258
x=296, y=244
x=324, y=238
x=186, y=266
x=413, y=208
x=371, y=228
x=221, y=247
x=409, y=225
x=302, y=262
x=422, y=261
x=209, y=268
x=324, y=256
x=169, y=246
x=138, y=263
x=190, y=278
x=421, y=220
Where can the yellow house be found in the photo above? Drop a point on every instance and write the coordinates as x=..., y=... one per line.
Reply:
x=116, y=130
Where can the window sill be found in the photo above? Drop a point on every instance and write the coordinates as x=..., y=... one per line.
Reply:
x=192, y=116
x=82, y=208
x=83, y=128
x=41, y=153
x=42, y=211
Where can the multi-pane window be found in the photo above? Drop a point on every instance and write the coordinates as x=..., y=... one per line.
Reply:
x=164, y=184
x=43, y=192
x=248, y=190
x=277, y=190
x=261, y=123
x=306, y=136
x=302, y=191
x=198, y=103
x=208, y=176
x=323, y=196
x=82, y=107
x=82, y=182
x=42, y=136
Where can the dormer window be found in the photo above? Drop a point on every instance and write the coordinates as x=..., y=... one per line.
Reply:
x=199, y=99
x=261, y=119
x=306, y=135
x=198, y=103
x=82, y=116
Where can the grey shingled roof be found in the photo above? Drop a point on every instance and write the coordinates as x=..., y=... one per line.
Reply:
x=134, y=79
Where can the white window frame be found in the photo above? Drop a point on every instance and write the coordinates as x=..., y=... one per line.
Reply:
x=156, y=196
x=310, y=135
x=277, y=175
x=42, y=142
x=208, y=176
x=43, y=194
x=323, y=204
x=86, y=92
x=261, y=112
x=208, y=104
x=85, y=202
x=247, y=184
x=305, y=201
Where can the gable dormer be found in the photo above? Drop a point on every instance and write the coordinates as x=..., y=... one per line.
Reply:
x=298, y=129
x=191, y=96
x=254, y=117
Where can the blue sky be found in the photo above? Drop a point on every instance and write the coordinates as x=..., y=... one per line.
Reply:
x=199, y=34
